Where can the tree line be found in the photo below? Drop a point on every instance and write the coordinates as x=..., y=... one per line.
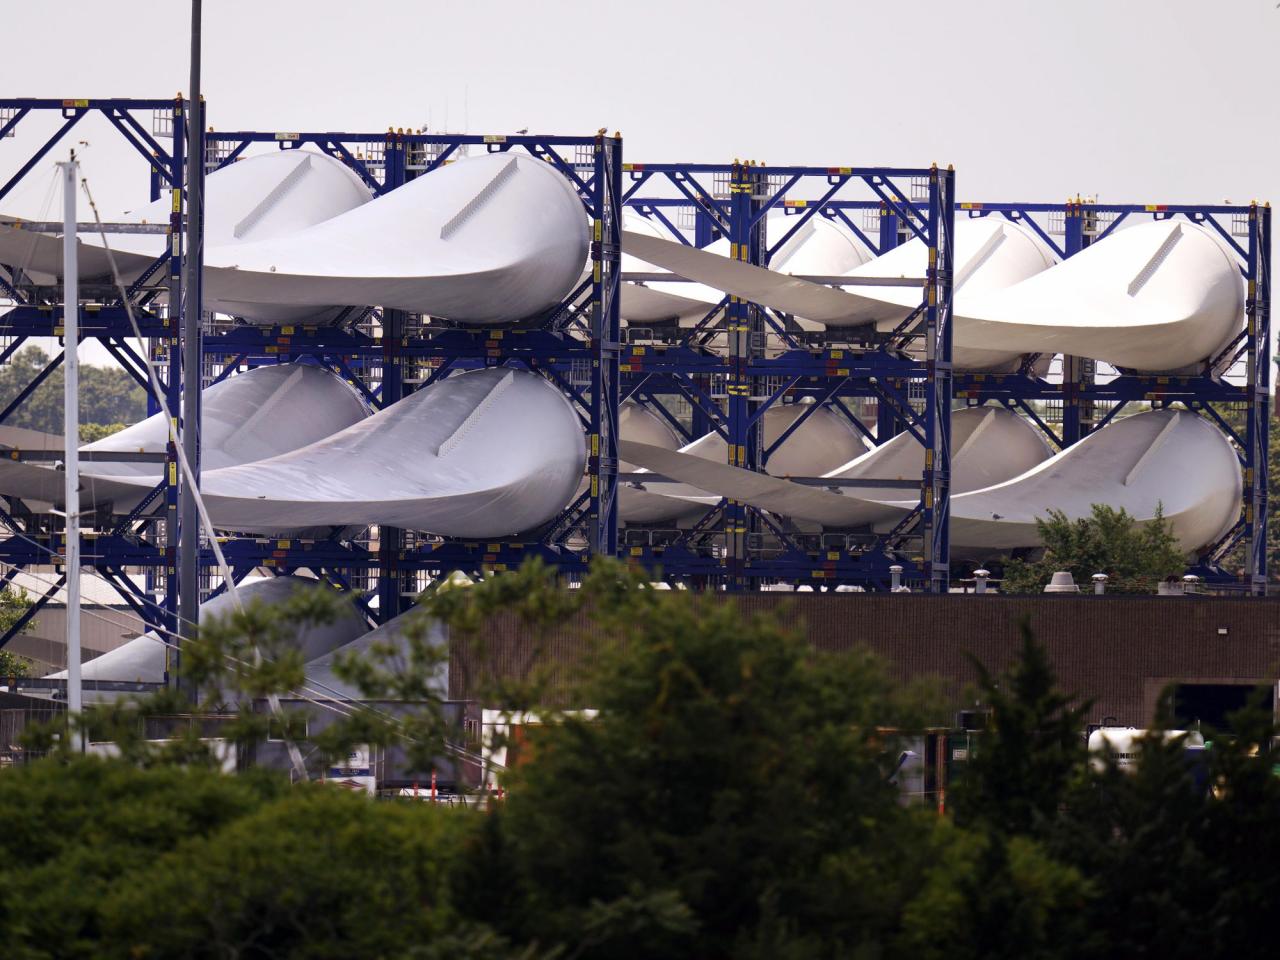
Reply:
x=730, y=797
x=109, y=397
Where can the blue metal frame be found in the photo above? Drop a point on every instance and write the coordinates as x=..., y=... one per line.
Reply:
x=739, y=545
x=138, y=541
x=582, y=333
x=1086, y=222
x=1083, y=222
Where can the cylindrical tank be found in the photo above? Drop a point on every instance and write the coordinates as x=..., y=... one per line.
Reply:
x=1122, y=744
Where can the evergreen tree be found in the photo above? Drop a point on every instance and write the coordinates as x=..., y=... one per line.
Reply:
x=1032, y=752
x=729, y=797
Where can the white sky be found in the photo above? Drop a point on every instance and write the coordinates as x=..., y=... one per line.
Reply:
x=1132, y=100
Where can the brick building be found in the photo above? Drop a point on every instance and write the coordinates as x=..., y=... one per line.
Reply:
x=1119, y=651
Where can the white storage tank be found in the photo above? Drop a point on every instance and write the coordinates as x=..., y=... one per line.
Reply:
x=1123, y=744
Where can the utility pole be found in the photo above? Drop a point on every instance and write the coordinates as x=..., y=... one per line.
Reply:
x=189, y=519
x=71, y=436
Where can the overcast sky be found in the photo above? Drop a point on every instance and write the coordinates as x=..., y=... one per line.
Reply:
x=1132, y=100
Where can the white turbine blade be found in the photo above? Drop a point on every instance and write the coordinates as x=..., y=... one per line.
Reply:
x=989, y=445
x=822, y=442
x=646, y=303
x=1179, y=463
x=819, y=247
x=757, y=489
x=1155, y=297
x=482, y=454
x=1176, y=461
x=803, y=298
x=490, y=240
x=270, y=195
x=250, y=416
x=320, y=671
x=143, y=658
x=990, y=254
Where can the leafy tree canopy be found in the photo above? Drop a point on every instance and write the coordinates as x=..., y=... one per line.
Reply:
x=1135, y=557
x=108, y=395
x=13, y=604
x=728, y=797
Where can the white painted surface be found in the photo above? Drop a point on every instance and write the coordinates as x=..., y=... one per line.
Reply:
x=269, y=195
x=1154, y=297
x=1189, y=472
x=494, y=239
x=1123, y=745
x=821, y=443
x=391, y=635
x=482, y=454
x=818, y=247
x=989, y=445
x=249, y=416
x=1157, y=296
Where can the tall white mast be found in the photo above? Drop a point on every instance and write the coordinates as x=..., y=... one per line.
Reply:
x=71, y=431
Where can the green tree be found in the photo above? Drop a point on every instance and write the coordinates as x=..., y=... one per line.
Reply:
x=986, y=895
x=1061, y=857
x=73, y=831
x=1178, y=870
x=1032, y=752
x=245, y=656
x=994, y=888
x=108, y=395
x=318, y=873
x=729, y=797
x=101, y=858
x=13, y=604
x=90, y=432
x=1135, y=557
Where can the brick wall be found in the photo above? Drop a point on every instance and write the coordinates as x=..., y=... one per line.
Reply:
x=1118, y=651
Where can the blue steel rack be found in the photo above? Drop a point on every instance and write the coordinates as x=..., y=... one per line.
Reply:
x=579, y=348
x=575, y=346
x=1245, y=230
x=138, y=540
x=1084, y=222
x=738, y=544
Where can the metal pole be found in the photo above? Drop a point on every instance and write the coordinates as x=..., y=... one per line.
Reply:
x=189, y=520
x=71, y=435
